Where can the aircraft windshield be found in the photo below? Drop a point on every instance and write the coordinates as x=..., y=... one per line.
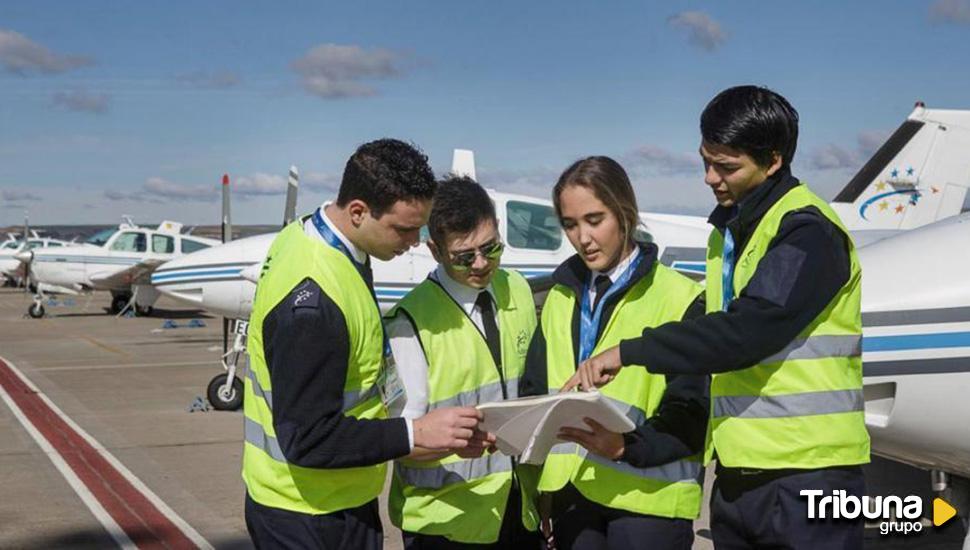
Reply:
x=101, y=237
x=11, y=244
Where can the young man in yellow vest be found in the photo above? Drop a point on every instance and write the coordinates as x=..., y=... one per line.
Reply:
x=317, y=436
x=460, y=338
x=782, y=337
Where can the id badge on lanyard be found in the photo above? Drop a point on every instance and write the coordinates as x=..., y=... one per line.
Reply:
x=389, y=384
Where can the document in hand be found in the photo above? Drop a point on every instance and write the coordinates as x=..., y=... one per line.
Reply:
x=528, y=426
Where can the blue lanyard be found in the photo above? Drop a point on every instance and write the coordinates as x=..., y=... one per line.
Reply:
x=727, y=270
x=334, y=241
x=590, y=319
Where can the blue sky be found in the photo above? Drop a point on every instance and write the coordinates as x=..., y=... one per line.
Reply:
x=110, y=108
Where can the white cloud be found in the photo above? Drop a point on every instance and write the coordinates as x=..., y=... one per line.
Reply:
x=259, y=184
x=702, y=31
x=22, y=56
x=656, y=159
x=837, y=157
x=81, y=102
x=180, y=192
x=334, y=71
x=950, y=11
x=832, y=157
x=321, y=182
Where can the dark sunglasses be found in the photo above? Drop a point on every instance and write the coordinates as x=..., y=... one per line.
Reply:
x=465, y=259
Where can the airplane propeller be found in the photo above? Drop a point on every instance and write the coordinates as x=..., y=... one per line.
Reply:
x=226, y=237
x=292, y=186
x=30, y=255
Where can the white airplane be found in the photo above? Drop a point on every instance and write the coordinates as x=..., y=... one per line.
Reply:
x=916, y=352
x=118, y=260
x=13, y=269
x=920, y=175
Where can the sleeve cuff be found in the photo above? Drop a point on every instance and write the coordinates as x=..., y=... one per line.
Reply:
x=410, y=424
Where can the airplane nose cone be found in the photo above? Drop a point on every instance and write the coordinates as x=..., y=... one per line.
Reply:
x=26, y=256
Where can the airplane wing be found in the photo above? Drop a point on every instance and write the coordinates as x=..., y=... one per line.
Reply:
x=139, y=273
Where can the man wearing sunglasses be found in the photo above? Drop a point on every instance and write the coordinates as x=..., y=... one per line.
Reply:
x=460, y=338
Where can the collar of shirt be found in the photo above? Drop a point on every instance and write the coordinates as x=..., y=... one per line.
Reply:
x=463, y=295
x=311, y=230
x=617, y=270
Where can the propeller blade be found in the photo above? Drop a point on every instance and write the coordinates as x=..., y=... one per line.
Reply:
x=226, y=217
x=28, y=262
x=292, y=186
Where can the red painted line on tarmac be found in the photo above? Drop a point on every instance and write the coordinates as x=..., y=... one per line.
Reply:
x=141, y=520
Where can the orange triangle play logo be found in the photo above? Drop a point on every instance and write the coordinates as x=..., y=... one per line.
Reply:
x=942, y=512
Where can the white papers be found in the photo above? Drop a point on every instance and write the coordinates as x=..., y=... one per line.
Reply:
x=528, y=426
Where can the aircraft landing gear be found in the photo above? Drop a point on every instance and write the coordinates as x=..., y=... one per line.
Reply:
x=119, y=302
x=36, y=309
x=225, y=394
x=225, y=391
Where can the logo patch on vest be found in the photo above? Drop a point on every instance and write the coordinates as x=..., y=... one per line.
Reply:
x=522, y=343
x=306, y=295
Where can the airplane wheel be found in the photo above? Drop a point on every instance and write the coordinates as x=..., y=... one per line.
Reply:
x=119, y=302
x=36, y=311
x=225, y=401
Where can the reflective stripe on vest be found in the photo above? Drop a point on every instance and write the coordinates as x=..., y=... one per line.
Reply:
x=803, y=406
x=464, y=500
x=351, y=398
x=463, y=471
x=668, y=490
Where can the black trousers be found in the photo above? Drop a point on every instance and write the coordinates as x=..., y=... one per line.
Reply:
x=513, y=535
x=763, y=509
x=581, y=524
x=351, y=529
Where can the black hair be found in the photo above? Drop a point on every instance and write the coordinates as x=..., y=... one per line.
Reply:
x=385, y=171
x=460, y=204
x=753, y=120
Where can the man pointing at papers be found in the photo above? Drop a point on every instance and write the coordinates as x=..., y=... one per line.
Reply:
x=460, y=338
x=612, y=490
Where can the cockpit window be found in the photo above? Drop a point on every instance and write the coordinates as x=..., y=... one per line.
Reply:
x=163, y=244
x=130, y=241
x=101, y=237
x=189, y=245
x=533, y=226
x=11, y=244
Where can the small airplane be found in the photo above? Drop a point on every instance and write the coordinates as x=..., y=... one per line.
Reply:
x=916, y=352
x=118, y=260
x=12, y=269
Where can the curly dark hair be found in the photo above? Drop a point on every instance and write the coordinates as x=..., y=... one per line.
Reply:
x=460, y=204
x=385, y=171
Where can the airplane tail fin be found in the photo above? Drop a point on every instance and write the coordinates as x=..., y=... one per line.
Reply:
x=226, y=214
x=292, y=186
x=463, y=163
x=921, y=174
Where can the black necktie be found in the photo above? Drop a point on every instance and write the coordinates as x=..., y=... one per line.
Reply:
x=602, y=285
x=367, y=274
x=484, y=303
